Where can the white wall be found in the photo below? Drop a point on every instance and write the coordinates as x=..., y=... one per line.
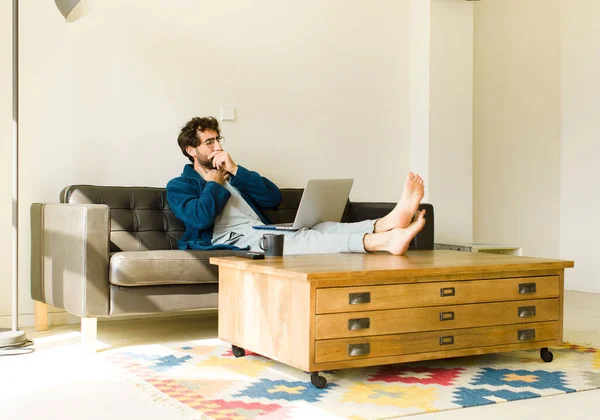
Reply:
x=450, y=181
x=305, y=78
x=441, y=112
x=5, y=157
x=517, y=118
x=580, y=142
x=321, y=90
x=419, y=87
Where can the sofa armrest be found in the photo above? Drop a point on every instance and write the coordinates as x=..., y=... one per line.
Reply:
x=356, y=212
x=69, y=257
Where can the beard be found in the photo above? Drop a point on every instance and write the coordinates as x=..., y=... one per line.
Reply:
x=204, y=161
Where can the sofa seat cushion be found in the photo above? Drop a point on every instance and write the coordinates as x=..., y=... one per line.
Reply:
x=163, y=267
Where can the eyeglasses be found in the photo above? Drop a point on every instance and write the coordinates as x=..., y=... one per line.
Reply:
x=211, y=141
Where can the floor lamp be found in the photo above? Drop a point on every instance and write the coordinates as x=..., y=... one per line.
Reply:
x=71, y=10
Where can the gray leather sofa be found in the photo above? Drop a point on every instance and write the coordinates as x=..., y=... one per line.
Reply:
x=105, y=251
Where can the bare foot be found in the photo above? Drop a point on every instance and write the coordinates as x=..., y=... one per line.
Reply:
x=403, y=213
x=400, y=238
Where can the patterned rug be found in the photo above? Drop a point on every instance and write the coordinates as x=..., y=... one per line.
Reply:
x=212, y=383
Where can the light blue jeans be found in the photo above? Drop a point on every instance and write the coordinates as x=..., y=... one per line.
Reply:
x=323, y=238
x=328, y=238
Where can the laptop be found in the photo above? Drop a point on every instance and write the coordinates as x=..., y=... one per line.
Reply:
x=323, y=200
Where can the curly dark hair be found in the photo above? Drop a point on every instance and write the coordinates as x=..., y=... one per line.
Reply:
x=189, y=133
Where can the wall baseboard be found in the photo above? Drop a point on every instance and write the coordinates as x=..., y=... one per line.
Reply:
x=64, y=318
x=26, y=320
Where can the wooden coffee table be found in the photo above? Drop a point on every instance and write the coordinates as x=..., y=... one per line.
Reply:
x=336, y=311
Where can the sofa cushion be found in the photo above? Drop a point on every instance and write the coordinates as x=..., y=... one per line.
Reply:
x=287, y=209
x=163, y=267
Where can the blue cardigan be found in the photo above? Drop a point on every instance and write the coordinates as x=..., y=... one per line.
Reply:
x=197, y=203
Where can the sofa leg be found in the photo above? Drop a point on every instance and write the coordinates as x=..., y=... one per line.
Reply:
x=40, y=316
x=89, y=329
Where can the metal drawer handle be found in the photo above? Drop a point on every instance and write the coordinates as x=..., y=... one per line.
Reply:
x=526, y=288
x=448, y=339
x=447, y=291
x=359, y=349
x=446, y=316
x=359, y=324
x=526, y=334
x=526, y=311
x=359, y=298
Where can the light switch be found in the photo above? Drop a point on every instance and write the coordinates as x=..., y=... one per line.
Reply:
x=227, y=113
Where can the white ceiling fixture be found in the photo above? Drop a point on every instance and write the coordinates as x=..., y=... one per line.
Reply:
x=73, y=9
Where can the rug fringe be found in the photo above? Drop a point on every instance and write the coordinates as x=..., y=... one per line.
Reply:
x=157, y=396
x=582, y=346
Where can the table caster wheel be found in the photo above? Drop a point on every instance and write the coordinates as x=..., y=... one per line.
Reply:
x=317, y=380
x=546, y=355
x=238, y=351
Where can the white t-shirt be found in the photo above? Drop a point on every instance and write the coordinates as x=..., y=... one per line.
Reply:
x=234, y=225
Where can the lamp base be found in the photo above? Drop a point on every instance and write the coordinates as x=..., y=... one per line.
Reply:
x=12, y=338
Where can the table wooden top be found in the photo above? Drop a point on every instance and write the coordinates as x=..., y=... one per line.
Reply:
x=414, y=263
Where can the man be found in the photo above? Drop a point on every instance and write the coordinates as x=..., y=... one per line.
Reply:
x=219, y=202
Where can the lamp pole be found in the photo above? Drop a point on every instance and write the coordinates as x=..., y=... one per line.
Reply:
x=15, y=165
x=15, y=337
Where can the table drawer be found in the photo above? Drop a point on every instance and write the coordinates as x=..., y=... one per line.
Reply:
x=367, y=298
x=399, y=344
x=397, y=321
